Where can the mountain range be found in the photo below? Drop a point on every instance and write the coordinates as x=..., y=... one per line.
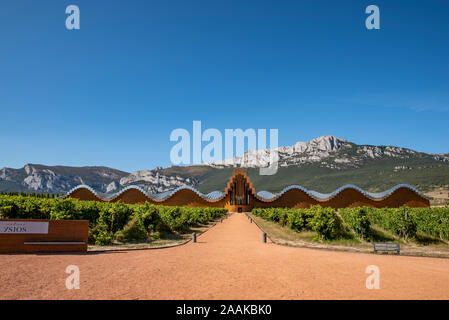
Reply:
x=60, y=179
x=322, y=164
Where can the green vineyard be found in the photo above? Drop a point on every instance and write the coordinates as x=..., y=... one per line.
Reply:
x=329, y=223
x=109, y=221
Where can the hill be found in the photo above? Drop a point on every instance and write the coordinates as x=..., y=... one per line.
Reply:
x=322, y=164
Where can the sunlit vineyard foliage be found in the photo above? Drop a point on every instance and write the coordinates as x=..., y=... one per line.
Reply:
x=357, y=219
x=322, y=220
x=407, y=222
x=109, y=221
x=403, y=222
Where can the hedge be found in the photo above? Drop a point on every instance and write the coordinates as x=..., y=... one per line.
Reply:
x=108, y=221
x=357, y=220
x=322, y=220
x=404, y=222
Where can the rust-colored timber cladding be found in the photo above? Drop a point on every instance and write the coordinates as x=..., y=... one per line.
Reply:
x=184, y=197
x=62, y=236
x=240, y=195
x=84, y=194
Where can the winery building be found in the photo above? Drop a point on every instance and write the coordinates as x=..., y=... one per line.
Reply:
x=240, y=196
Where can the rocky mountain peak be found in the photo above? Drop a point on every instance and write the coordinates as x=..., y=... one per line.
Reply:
x=323, y=143
x=153, y=181
x=60, y=179
x=327, y=152
x=301, y=152
x=318, y=145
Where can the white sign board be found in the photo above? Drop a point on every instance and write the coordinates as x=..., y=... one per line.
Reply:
x=23, y=227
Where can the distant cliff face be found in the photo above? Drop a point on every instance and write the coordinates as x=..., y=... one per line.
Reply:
x=60, y=179
x=329, y=151
x=154, y=182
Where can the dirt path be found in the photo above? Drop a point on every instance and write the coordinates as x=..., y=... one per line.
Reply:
x=228, y=262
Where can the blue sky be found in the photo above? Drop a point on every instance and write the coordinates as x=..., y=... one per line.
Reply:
x=111, y=93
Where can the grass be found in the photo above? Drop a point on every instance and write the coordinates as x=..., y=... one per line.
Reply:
x=286, y=236
x=422, y=245
x=167, y=239
x=425, y=239
x=380, y=235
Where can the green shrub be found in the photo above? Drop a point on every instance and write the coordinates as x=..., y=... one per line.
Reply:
x=149, y=215
x=357, y=219
x=99, y=235
x=397, y=220
x=325, y=222
x=403, y=224
x=171, y=217
x=64, y=210
x=297, y=219
x=155, y=235
x=283, y=218
x=119, y=214
x=133, y=230
x=106, y=219
x=431, y=221
x=5, y=212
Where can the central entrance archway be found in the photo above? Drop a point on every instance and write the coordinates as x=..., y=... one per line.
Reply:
x=240, y=192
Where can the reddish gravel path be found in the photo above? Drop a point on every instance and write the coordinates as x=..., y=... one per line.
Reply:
x=228, y=262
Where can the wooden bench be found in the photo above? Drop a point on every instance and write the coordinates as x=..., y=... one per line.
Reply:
x=379, y=246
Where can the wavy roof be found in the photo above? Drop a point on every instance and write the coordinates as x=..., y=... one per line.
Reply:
x=263, y=195
x=215, y=195
x=82, y=186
